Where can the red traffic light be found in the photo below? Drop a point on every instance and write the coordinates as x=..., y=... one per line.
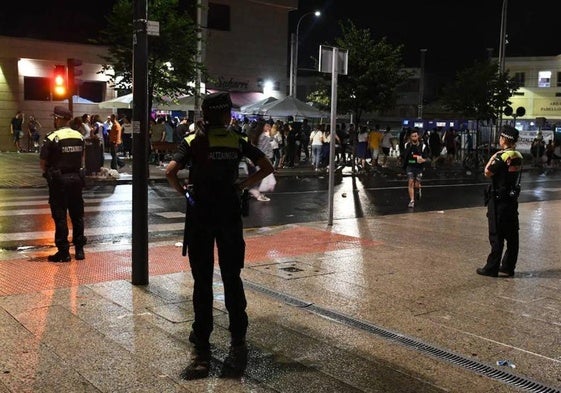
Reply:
x=60, y=86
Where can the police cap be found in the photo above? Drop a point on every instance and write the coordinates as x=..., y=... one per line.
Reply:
x=510, y=133
x=62, y=113
x=217, y=102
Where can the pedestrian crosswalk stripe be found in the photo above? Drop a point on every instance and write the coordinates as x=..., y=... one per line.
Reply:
x=99, y=231
x=87, y=209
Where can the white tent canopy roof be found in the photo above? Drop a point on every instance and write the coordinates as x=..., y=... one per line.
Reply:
x=184, y=103
x=291, y=106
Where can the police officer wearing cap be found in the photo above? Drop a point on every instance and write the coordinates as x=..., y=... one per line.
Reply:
x=504, y=168
x=61, y=160
x=213, y=215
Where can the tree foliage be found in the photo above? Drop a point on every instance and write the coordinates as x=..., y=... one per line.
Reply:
x=479, y=92
x=375, y=70
x=171, y=64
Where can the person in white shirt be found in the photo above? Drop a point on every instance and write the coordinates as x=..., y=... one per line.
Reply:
x=386, y=145
x=316, y=141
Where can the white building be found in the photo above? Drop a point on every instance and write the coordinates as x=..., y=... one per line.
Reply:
x=540, y=91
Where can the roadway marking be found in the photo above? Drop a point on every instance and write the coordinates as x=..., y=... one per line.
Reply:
x=87, y=209
x=98, y=231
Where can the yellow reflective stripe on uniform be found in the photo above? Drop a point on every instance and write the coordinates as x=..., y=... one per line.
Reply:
x=64, y=133
x=189, y=138
x=513, y=159
x=512, y=154
x=229, y=139
x=225, y=138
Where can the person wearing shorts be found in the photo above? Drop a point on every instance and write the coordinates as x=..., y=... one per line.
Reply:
x=415, y=156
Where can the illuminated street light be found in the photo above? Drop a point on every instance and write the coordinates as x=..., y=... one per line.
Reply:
x=294, y=53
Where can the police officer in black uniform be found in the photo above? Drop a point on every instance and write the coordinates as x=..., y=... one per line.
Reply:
x=61, y=160
x=504, y=168
x=212, y=155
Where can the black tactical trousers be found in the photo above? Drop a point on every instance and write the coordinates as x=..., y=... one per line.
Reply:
x=502, y=216
x=65, y=197
x=201, y=236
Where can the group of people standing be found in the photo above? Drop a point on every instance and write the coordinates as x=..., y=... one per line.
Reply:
x=20, y=128
x=289, y=140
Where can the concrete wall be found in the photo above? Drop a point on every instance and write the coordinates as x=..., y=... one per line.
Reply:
x=21, y=57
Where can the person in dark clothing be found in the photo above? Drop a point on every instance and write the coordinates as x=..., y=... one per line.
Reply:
x=213, y=215
x=435, y=145
x=504, y=168
x=292, y=143
x=305, y=132
x=403, y=135
x=61, y=160
x=414, y=157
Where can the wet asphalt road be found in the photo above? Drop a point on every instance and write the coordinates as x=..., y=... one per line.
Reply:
x=295, y=200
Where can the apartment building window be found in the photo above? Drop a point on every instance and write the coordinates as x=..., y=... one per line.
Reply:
x=218, y=17
x=520, y=78
x=544, y=79
x=39, y=89
x=92, y=90
x=36, y=88
x=558, y=79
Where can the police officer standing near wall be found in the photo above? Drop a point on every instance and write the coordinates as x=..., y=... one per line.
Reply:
x=213, y=215
x=61, y=160
x=504, y=168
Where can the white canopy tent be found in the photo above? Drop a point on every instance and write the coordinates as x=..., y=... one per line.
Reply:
x=79, y=100
x=291, y=106
x=184, y=103
x=255, y=108
x=123, y=102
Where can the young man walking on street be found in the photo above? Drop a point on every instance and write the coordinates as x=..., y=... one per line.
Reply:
x=415, y=156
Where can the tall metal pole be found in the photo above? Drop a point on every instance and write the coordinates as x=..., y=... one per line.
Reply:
x=292, y=43
x=294, y=54
x=421, y=85
x=502, y=51
x=140, y=145
x=502, y=39
x=332, y=135
x=199, y=59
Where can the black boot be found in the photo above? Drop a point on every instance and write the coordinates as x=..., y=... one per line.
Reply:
x=199, y=366
x=60, y=256
x=80, y=253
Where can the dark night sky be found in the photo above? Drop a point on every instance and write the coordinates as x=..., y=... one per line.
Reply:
x=455, y=33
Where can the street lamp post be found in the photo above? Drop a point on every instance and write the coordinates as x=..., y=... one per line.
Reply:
x=502, y=51
x=421, y=85
x=294, y=53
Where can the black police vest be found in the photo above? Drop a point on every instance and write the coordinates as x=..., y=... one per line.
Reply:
x=216, y=158
x=505, y=179
x=66, y=147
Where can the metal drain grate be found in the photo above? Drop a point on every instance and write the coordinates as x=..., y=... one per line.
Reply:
x=291, y=269
x=459, y=360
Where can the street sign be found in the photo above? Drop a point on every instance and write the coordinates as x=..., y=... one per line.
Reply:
x=326, y=59
x=153, y=28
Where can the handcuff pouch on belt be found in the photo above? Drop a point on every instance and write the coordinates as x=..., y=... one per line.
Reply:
x=502, y=193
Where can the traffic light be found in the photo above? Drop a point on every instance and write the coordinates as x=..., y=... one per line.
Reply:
x=59, y=83
x=73, y=72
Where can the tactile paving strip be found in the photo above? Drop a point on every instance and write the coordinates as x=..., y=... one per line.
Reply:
x=36, y=274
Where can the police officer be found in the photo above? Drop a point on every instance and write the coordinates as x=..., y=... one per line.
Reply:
x=504, y=168
x=61, y=160
x=213, y=154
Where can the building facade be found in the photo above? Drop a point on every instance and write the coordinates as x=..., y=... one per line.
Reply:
x=245, y=45
x=539, y=97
